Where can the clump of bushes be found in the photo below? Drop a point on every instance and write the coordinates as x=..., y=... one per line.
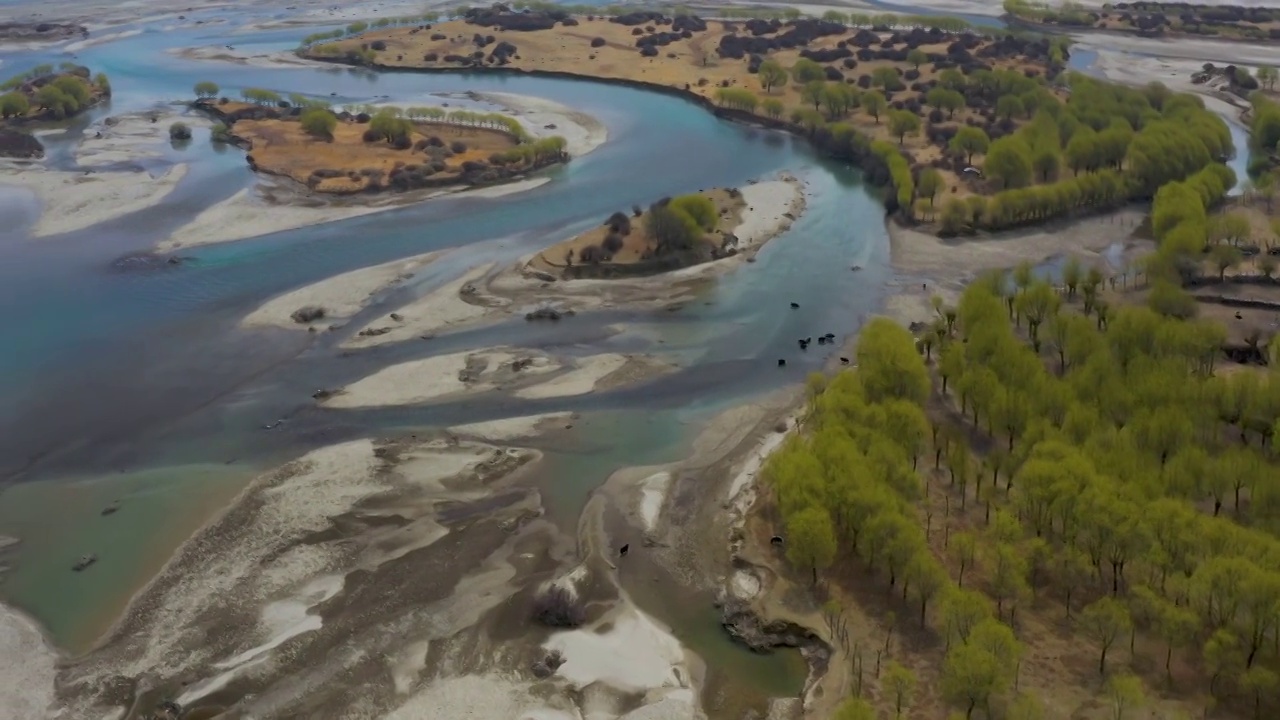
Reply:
x=458, y=146
x=179, y=131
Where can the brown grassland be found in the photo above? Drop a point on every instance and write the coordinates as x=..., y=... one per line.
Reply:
x=690, y=65
x=281, y=147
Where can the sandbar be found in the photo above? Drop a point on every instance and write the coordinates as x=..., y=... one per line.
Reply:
x=439, y=378
x=341, y=296
x=441, y=309
x=76, y=200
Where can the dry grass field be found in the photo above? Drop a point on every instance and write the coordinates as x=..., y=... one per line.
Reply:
x=281, y=147
x=599, y=48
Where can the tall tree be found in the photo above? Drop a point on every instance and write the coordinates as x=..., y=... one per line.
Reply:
x=1105, y=621
x=811, y=540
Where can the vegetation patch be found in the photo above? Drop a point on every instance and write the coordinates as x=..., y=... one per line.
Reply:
x=670, y=234
x=971, y=132
x=369, y=149
x=45, y=94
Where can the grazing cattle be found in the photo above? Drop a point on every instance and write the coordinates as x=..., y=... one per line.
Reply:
x=795, y=306
x=623, y=550
x=782, y=362
x=844, y=361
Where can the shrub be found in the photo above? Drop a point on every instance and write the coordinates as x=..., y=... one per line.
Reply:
x=179, y=131
x=458, y=146
x=220, y=133
x=619, y=223
x=597, y=42
x=371, y=136
x=378, y=45
x=612, y=243
x=318, y=123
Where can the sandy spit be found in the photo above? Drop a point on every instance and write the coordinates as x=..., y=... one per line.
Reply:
x=249, y=214
x=441, y=309
x=596, y=372
x=341, y=296
x=76, y=200
x=513, y=428
x=439, y=378
x=582, y=133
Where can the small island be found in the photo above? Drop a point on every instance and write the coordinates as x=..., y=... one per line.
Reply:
x=675, y=233
x=44, y=95
x=374, y=149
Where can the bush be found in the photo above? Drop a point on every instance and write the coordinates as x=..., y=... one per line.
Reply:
x=619, y=223
x=458, y=146
x=179, y=131
x=612, y=243
x=371, y=136
x=597, y=42
x=220, y=133
x=318, y=123
x=378, y=45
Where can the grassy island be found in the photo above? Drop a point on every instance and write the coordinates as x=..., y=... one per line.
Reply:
x=372, y=149
x=1153, y=19
x=45, y=94
x=971, y=132
x=671, y=233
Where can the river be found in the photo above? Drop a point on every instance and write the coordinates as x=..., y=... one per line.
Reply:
x=135, y=384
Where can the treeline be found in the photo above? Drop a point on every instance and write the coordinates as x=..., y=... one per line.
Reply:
x=356, y=28
x=1119, y=144
x=848, y=490
x=1115, y=473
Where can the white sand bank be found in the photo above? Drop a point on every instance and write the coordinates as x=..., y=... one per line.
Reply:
x=75, y=200
x=512, y=428
x=250, y=57
x=27, y=667
x=635, y=654
x=246, y=215
x=341, y=296
x=653, y=492
x=440, y=309
x=129, y=138
x=436, y=379
x=587, y=373
x=771, y=208
x=582, y=133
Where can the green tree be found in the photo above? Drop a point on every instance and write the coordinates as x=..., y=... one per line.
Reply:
x=811, y=540
x=887, y=77
x=1225, y=257
x=855, y=709
x=903, y=123
x=1268, y=75
x=1125, y=692
x=917, y=57
x=103, y=83
x=970, y=141
x=771, y=74
x=1009, y=161
x=807, y=71
x=206, y=89
x=976, y=671
x=1105, y=621
x=930, y=184
x=13, y=104
x=900, y=683
x=318, y=123
x=812, y=92
x=874, y=104
x=674, y=231
x=1009, y=106
x=893, y=368
x=55, y=102
x=773, y=107
x=179, y=131
x=948, y=100
x=839, y=99
x=699, y=208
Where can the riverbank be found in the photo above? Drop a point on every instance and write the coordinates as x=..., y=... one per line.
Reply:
x=926, y=265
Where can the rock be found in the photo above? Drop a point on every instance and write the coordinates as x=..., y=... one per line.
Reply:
x=396, y=316
x=322, y=394
x=545, y=313
x=308, y=313
x=111, y=509
x=549, y=126
x=374, y=332
x=84, y=562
